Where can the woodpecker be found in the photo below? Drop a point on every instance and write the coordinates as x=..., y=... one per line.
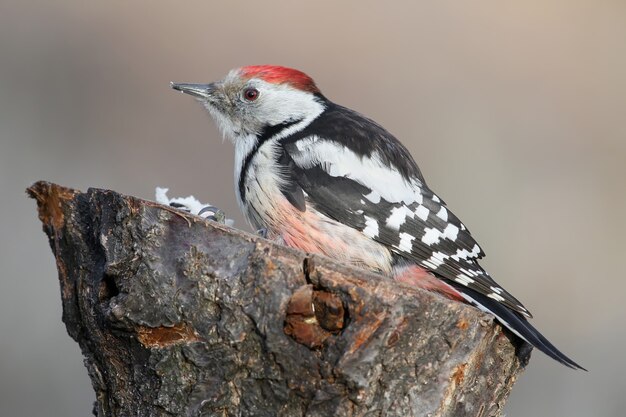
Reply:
x=325, y=179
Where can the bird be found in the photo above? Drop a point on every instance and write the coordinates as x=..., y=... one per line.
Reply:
x=323, y=178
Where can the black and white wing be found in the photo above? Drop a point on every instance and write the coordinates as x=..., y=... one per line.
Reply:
x=355, y=172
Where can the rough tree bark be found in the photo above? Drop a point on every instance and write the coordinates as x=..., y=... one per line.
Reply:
x=179, y=316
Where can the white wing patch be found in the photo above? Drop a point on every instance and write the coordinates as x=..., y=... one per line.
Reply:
x=464, y=279
x=373, y=196
x=443, y=214
x=468, y=272
x=371, y=227
x=436, y=260
x=369, y=171
x=465, y=254
x=401, y=213
x=406, y=244
x=433, y=235
x=450, y=232
x=422, y=212
x=496, y=297
x=398, y=217
x=496, y=290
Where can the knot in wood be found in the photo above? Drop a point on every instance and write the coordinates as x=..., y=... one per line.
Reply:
x=313, y=316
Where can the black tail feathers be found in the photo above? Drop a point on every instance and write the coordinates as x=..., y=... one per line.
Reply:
x=516, y=324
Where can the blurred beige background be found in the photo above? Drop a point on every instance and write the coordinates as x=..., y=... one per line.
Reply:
x=515, y=111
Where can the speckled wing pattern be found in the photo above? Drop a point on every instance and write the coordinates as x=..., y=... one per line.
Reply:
x=377, y=193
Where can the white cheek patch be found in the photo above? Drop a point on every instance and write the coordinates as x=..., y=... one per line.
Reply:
x=279, y=103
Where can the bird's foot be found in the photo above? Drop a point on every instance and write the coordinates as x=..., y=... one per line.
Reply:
x=192, y=206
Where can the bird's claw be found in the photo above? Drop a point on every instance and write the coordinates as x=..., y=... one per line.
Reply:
x=212, y=213
x=181, y=207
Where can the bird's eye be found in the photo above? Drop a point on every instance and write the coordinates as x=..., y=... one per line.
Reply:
x=251, y=94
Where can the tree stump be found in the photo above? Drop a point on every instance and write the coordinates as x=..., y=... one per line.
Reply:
x=181, y=316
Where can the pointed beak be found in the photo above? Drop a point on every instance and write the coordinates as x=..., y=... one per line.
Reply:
x=203, y=91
